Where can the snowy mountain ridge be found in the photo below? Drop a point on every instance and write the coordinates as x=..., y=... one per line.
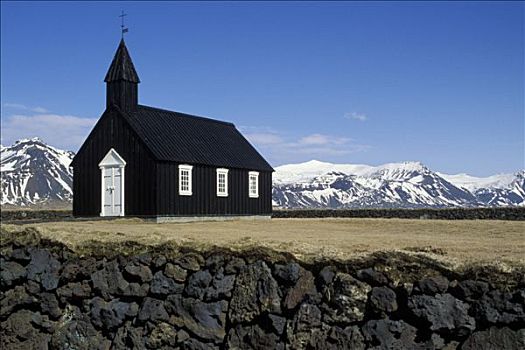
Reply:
x=34, y=173
x=407, y=184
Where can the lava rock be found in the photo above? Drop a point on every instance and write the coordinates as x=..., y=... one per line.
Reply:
x=388, y=334
x=221, y=287
x=75, y=331
x=303, y=285
x=152, y=310
x=135, y=290
x=496, y=339
x=194, y=344
x=498, y=307
x=75, y=290
x=255, y=292
x=215, y=263
x=277, y=322
x=49, y=305
x=519, y=296
x=234, y=266
x=176, y=272
x=432, y=285
x=198, y=283
x=443, y=313
x=344, y=338
x=382, y=300
x=109, y=281
x=307, y=316
x=206, y=320
x=44, y=268
x=182, y=336
x=15, y=298
x=251, y=337
x=21, y=255
x=471, y=290
x=163, y=334
x=22, y=330
x=142, y=259
x=345, y=299
x=10, y=273
x=78, y=270
x=191, y=262
x=287, y=274
x=111, y=314
x=372, y=277
x=326, y=275
x=160, y=261
x=33, y=287
x=162, y=285
x=139, y=273
x=305, y=328
x=23, y=324
x=129, y=336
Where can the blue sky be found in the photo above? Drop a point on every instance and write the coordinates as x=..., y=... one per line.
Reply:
x=438, y=82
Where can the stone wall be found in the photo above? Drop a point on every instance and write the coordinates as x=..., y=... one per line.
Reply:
x=35, y=215
x=508, y=213
x=168, y=298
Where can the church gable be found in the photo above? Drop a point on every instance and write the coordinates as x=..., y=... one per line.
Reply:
x=146, y=161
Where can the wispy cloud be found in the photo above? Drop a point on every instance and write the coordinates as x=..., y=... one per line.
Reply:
x=265, y=138
x=25, y=108
x=282, y=148
x=356, y=116
x=63, y=131
x=322, y=140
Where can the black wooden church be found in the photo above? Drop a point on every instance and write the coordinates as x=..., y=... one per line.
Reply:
x=146, y=161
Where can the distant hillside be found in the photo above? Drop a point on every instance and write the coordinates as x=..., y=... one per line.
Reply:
x=38, y=175
x=316, y=184
x=35, y=174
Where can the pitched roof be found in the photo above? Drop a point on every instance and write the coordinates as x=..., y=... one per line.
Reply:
x=184, y=138
x=122, y=67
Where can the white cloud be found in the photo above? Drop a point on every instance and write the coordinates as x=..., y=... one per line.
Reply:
x=320, y=139
x=39, y=110
x=264, y=138
x=25, y=108
x=356, y=116
x=62, y=131
x=279, y=148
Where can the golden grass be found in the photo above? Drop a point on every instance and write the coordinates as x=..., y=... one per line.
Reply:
x=457, y=242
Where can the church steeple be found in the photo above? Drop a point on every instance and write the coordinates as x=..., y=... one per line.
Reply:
x=122, y=80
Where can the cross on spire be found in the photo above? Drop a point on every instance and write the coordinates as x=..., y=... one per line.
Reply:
x=122, y=27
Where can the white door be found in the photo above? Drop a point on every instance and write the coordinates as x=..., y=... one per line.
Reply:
x=112, y=172
x=112, y=185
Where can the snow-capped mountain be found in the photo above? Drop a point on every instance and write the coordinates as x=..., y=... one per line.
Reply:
x=496, y=190
x=408, y=185
x=35, y=173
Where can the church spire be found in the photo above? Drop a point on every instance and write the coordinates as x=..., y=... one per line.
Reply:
x=122, y=80
x=122, y=67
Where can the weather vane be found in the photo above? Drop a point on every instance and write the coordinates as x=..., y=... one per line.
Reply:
x=122, y=27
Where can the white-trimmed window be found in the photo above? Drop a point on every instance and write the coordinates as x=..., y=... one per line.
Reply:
x=185, y=185
x=253, y=184
x=222, y=182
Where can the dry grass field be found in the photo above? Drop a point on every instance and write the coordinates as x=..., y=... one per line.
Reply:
x=457, y=242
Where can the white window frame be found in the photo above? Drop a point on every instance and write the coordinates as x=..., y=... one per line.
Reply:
x=188, y=168
x=254, y=194
x=222, y=171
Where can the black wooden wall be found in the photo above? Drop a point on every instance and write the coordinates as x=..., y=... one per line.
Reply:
x=112, y=131
x=151, y=187
x=204, y=200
